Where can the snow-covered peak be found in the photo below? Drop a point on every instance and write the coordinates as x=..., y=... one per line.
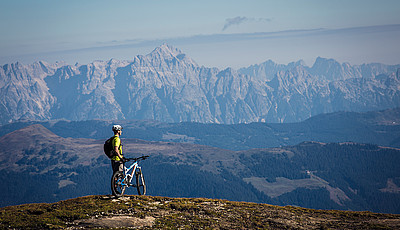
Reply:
x=169, y=53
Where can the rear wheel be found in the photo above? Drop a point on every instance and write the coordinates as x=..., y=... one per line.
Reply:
x=117, y=187
x=140, y=184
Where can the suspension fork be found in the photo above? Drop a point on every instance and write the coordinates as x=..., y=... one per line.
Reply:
x=138, y=169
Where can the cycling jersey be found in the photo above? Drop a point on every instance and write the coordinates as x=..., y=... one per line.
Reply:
x=117, y=142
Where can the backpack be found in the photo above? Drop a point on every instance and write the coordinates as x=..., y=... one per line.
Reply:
x=108, y=147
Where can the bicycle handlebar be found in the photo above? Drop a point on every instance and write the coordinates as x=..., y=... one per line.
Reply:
x=138, y=158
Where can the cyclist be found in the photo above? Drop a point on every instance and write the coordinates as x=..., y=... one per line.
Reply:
x=118, y=159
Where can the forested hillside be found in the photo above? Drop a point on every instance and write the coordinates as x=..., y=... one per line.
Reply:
x=347, y=176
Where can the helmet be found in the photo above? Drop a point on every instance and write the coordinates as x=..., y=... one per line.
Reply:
x=116, y=128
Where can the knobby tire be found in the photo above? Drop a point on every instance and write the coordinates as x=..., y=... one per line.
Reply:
x=140, y=184
x=116, y=187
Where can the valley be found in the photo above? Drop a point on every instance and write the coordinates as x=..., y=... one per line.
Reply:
x=342, y=176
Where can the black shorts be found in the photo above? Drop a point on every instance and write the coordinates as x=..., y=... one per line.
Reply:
x=117, y=166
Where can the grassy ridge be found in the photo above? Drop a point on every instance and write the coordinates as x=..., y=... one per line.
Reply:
x=145, y=212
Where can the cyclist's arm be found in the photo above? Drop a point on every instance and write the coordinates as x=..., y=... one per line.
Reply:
x=118, y=153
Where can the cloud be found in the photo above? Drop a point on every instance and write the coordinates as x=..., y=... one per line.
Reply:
x=239, y=20
x=234, y=21
x=264, y=19
x=342, y=44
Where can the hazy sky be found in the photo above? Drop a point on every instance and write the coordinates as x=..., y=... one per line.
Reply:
x=214, y=33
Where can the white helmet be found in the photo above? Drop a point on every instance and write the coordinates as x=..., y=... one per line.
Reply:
x=116, y=128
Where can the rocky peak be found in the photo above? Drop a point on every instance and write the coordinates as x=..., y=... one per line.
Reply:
x=298, y=75
x=268, y=70
x=168, y=56
x=331, y=70
x=167, y=85
x=297, y=63
x=328, y=68
x=167, y=49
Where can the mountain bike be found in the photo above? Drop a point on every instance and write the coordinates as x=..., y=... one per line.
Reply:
x=121, y=180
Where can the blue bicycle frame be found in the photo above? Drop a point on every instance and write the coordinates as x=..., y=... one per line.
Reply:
x=128, y=177
x=121, y=180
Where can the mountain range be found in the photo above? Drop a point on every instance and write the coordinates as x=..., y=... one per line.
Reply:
x=168, y=86
x=268, y=133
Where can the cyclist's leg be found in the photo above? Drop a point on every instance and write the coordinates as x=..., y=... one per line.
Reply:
x=120, y=166
x=117, y=166
x=113, y=166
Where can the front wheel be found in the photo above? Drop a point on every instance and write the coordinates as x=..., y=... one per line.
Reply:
x=140, y=185
x=117, y=187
